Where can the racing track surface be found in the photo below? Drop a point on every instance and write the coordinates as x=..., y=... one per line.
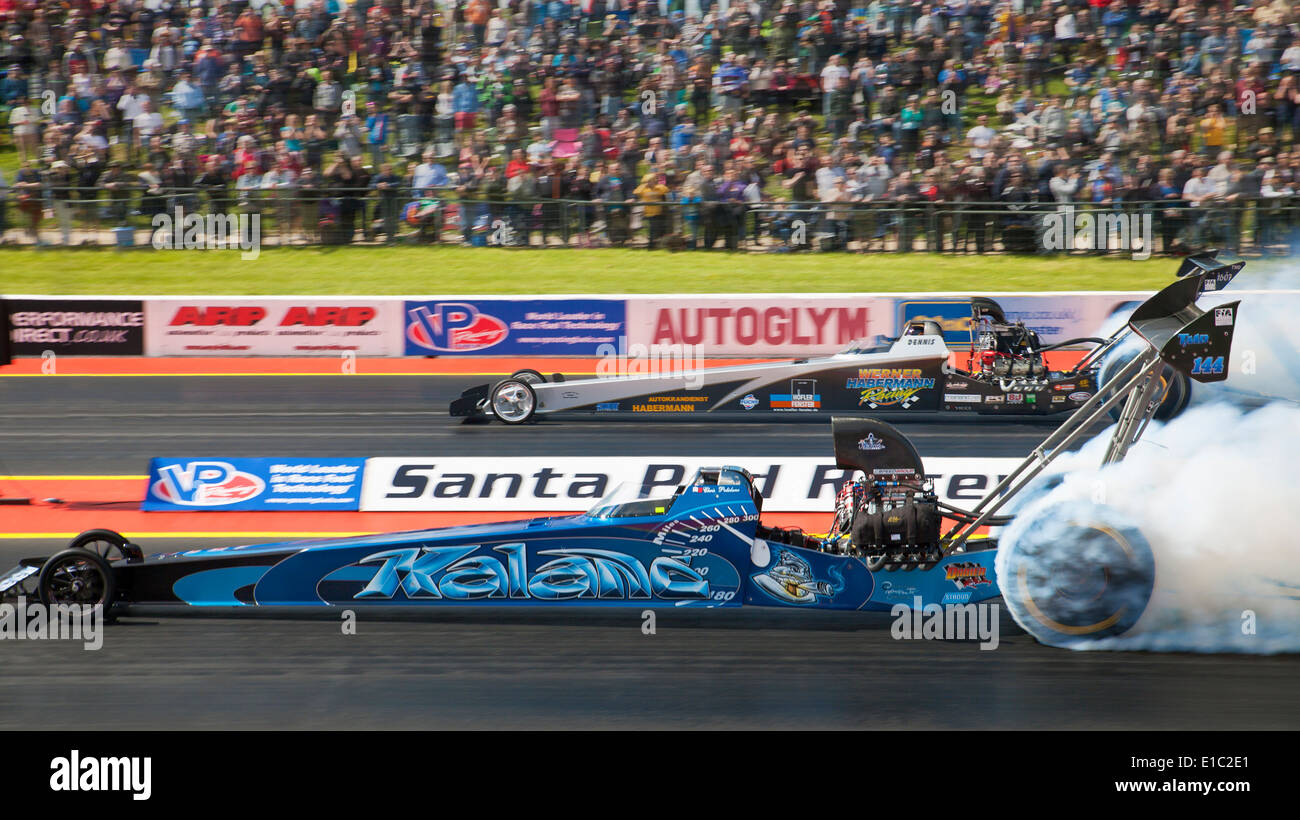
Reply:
x=746, y=669
x=114, y=425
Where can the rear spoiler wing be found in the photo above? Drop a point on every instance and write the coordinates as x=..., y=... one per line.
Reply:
x=1194, y=341
x=1217, y=274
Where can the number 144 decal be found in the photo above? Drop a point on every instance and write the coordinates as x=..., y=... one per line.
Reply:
x=1207, y=365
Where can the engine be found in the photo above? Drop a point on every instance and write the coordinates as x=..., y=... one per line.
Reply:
x=1004, y=352
x=889, y=514
x=891, y=524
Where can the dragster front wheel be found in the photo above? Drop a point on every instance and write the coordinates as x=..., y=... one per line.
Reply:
x=514, y=401
x=77, y=576
x=1076, y=572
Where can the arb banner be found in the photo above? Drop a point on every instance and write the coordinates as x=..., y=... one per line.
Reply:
x=295, y=326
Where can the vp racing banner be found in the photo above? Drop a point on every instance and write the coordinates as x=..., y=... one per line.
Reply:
x=506, y=327
x=573, y=483
x=215, y=484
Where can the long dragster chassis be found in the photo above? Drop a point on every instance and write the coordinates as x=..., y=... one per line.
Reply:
x=705, y=544
x=1004, y=373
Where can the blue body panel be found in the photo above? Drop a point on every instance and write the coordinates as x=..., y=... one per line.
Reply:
x=698, y=550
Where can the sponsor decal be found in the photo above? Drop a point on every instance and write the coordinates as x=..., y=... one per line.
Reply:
x=1058, y=399
x=891, y=590
x=453, y=327
x=472, y=572
x=961, y=398
x=568, y=394
x=1080, y=396
x=993, y=399
x=1064, y=388
x=510, y=326
x=607, y=407
x=749, y=402
x=1222, y=317
x=803, y=396
x=1207, y=365
x=1015, y=398
x=670, y=404
x=871, y=442
x=1186, y=339
x=204, y=484
x=254, y=484
x=80, y=327
x=966, y=574
x=957, y=384
x=957, y=597
x=884, y=387
x=1031, y=398
x=790, y=580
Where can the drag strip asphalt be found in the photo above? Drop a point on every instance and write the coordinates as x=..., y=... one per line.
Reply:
x=85, y=425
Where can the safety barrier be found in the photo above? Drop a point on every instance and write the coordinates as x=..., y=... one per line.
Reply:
x=746, y=325
x=133, y=215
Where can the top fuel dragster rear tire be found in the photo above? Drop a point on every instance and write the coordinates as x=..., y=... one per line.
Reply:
x=1076, y=572
x=528, y=376
x=1174, y=392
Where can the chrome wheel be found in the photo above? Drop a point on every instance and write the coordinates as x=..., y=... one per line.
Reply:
x=513, y=401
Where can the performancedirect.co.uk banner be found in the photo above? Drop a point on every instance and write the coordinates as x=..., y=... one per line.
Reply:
x=317, y=326
x=571, y=483
x=74, y=327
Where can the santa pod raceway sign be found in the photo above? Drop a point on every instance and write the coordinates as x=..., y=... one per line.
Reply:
x=572, y=483
x=499, y=327
x=776, y=325
x=216, y=484
x=272, y=327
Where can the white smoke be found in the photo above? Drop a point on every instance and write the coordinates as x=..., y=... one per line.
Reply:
x=1215, y=494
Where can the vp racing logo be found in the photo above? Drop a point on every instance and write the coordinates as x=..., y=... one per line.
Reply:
x=205, y=484
x=453, y=327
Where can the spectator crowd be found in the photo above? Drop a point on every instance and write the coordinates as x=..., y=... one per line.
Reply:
x=874, y=123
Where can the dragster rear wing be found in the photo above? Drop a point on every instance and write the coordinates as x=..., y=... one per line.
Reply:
x=1189, y=339
x=1178, y=334
x=1208, y=263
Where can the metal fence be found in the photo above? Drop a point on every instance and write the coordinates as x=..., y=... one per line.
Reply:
x=133, y=216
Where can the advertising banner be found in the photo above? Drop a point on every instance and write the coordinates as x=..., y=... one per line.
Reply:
x=293, y=326
x=216, y=484
x=568, y=483
x=760, y=325
x=506, y=327
x=1055, y=317
x=75, y=327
